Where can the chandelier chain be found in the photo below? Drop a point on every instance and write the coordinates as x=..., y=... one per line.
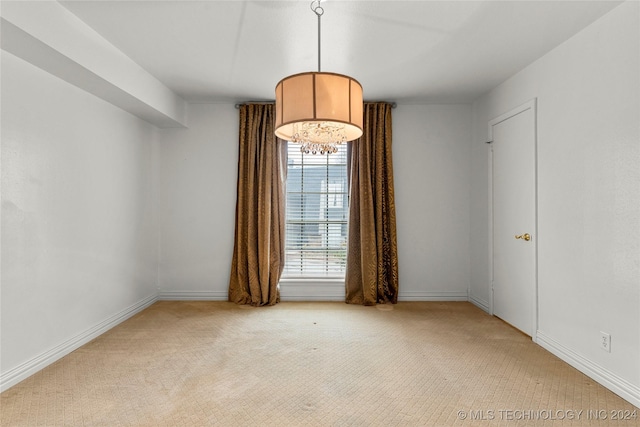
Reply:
x=319, y=11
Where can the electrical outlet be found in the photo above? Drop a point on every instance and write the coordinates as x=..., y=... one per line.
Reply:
x=605, y=341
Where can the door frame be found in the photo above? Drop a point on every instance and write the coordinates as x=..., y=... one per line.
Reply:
x=529, y=105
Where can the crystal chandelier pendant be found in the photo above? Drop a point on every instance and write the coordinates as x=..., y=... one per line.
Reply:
x=318, y=110
x=319, y=137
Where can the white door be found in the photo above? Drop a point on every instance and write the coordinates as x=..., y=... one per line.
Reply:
x=514, y=217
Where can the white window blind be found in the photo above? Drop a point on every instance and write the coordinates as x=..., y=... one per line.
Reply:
x=317, y=214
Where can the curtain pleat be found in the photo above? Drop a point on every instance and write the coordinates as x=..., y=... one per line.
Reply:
x=372, y=258
x=258, y=253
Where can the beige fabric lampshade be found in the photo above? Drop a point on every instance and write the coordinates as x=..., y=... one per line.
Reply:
x=318, y=97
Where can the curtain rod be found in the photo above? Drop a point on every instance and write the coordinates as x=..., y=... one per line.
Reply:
x=238, y=105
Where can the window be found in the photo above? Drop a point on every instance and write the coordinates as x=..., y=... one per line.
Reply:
x=317, y=213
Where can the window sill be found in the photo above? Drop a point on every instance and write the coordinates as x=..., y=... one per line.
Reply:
x=311, y=280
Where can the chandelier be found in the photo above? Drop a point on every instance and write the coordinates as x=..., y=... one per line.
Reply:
x=318, y=110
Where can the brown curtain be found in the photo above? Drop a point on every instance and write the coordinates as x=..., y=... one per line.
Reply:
x=258, y=252
x=372, y=258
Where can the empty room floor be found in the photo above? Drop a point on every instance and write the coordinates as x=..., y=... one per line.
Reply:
x=312, y=363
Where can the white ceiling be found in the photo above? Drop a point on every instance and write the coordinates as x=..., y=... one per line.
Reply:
x=403, y=51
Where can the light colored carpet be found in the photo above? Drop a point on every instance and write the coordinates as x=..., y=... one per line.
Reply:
x=317, y=364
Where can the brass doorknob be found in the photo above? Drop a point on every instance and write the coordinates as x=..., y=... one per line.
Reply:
x=525, y=237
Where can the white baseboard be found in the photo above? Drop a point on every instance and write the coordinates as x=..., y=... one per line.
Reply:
x=296, y=291
x=30, y=367
x=288, y=294
x=432, y=296
x=620, y=386
x=482, y=304
x=193, y=295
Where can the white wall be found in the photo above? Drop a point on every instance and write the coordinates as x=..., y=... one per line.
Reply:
x=588, y=92
x=198, y=173
x=431, y=157
x=79, y=228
